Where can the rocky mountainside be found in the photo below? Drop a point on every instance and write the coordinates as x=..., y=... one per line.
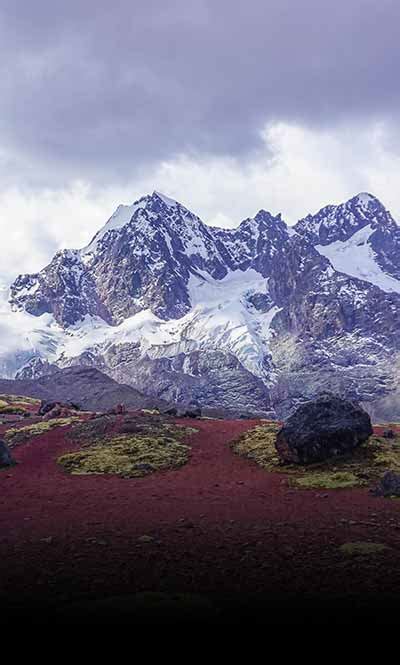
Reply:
x=252, y=320
x=143, y=259
x=91, y=389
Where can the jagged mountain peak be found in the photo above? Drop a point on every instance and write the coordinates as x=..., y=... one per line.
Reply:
x=339, y=222
x=265, y=217
x=249, y=316
x=263, y=222
x=166, y=200
x=155, y=203
x=369, y=205
x=365, y=199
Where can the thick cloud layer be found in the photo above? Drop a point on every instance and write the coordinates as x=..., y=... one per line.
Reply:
x=228, y=106
x=101, y=90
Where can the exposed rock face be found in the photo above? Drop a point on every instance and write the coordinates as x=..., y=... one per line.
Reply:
x=146, y=263
x=36, y=368
x=324, y=428
x=214, y=379
x=340, y=222
x=65, y=289
x=255, y=319
x=6, y=458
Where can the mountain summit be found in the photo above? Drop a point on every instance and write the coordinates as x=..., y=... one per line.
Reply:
x=342, y=221
x=252, y=319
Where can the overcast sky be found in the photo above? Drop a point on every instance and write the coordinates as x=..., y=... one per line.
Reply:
x=227, y=106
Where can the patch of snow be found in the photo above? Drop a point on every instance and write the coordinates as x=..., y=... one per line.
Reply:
x=23, y=336
x=28, y=290
x=365, y=198
x=355, y=257
x=221, y=318
x=121, y=216
x=169, y=202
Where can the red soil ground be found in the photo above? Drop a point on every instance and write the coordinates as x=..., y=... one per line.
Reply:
x=220, y=526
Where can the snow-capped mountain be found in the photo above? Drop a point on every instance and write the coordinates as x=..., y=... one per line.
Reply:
x=360, y=238
x=253, y=319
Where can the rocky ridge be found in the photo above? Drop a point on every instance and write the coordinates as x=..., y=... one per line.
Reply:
x=255, y=319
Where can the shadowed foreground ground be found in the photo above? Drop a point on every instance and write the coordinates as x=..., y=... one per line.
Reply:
x=219, y=539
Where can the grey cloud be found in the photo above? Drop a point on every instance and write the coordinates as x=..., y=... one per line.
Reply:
x=101, y=90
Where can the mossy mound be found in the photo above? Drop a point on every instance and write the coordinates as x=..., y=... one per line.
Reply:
x=9, y=409
x=19, y=399
x=17, y=435
x=363, y=548
x=327, y=480
x=363, y=467
x=86, y=431
x=258, y=444
x=129, y=456
x=16, y=405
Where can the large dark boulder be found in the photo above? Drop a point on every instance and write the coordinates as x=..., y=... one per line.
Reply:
x=5, y=456
x=389, y=485
x=323, y=428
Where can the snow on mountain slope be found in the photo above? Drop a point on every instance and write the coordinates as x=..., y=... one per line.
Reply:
x=153, y=205
x=256, y=316
x=23, y=336
x=340, y=222
x=221, y=318
x=355, y=257
x=146, y=263
x=118, y=219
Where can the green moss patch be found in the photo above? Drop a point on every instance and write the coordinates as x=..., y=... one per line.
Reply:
x=333, y=480
x=130, y=447
x=363, y=548
x=17, y=405
x=258, y=444
x=363, y=467
x=128, y=456
x=13, y=410
x=179, y=430
x=19, y=399
x=89, y=432
x=22, y=434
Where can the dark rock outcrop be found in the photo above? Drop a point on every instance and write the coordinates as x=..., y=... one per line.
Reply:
x=189, y=412
x=389, y=434
x=6, y=458
x=49, y=406
x=389, y=485
x=171, y=411
x=323, y=428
